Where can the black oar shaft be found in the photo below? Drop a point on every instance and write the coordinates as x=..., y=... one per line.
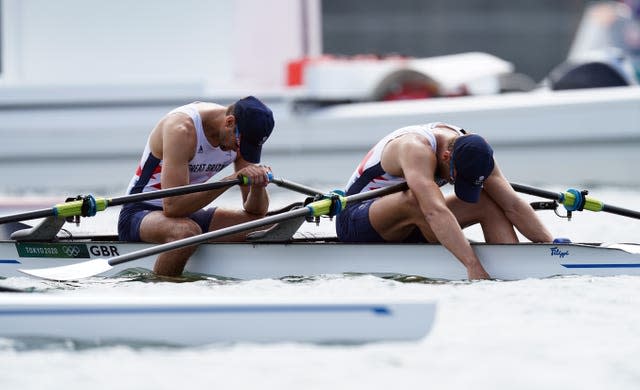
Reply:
x=176, y=191
x=164, y=193
x=52, y=211
x=242, y=227
x=212, y=235
x=559, y=197
x=621, y=211
x=536, y=191
x=35, y=214
x=377, y=193
x=296, y=187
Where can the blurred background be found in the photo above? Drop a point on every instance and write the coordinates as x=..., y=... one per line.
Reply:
x=534, y=35
x=82, y=83
x=515, y=30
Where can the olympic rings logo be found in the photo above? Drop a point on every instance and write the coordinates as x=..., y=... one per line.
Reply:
x=71, y=251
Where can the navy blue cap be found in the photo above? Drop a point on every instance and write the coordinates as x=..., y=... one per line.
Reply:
x=255, y=124
x=472, y=159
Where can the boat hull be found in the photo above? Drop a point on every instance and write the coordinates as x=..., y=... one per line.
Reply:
x=248, y=261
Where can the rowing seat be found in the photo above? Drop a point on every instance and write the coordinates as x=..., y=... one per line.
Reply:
x=46, y=230
x=280, y=232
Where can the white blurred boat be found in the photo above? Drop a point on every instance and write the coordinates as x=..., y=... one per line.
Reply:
x=576, y=137
x=194, y=321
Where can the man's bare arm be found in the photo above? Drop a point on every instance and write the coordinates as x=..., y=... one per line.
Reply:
x=178, y=146
x=418, y=164
x=517, y=210
x=255, y=199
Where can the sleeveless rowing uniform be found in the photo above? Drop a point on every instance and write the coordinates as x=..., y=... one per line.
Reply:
x=207, y=161
x=352, y=224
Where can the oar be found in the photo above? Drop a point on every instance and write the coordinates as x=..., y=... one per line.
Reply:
x=97, y=266
x=575, y=200
x=74, y=208
x=296, y=187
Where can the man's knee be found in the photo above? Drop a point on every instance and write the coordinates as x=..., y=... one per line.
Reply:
x=183, y=229
x=409, y=205
x=488, y=206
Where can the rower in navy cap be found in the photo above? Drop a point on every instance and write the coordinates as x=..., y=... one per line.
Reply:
x=190, y=145
x=427, y=157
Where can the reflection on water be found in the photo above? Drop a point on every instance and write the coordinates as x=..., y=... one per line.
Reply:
x=39, y=343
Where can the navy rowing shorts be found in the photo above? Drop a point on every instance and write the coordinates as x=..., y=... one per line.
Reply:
x=131, y=216
x=353, y=225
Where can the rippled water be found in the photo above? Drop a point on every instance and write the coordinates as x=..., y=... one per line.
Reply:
x=558, y=333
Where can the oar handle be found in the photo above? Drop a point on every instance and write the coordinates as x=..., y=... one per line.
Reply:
x=246, y=180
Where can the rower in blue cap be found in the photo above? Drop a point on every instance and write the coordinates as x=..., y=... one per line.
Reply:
x=427, y=157
x=190, y=145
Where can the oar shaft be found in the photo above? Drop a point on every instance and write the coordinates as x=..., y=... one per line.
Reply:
x=74, y=207
x=311, y=209
x=621, y=211
x=326, y=206
x=569, y=199
x=536, y=192
x=212, y=235
x=183, y=190
x=377, y=193
x=296, y=187
x=43, y=213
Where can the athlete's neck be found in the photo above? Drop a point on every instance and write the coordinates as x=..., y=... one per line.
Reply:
x=213, y=123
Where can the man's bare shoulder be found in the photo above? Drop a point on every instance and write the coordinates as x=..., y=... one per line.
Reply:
x=175, y=125
x=173, y=132
x=409, y=143
x=210, y=106
x=177, y=119
x=407, y=150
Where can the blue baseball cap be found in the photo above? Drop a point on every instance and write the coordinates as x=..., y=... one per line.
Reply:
x=472, y=158
x=255, y=124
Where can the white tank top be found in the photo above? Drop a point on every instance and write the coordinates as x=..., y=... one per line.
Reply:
x=369, y=175
x=207, y=161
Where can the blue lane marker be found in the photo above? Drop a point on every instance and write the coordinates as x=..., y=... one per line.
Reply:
x=377, y=310
x=622, y=265
x=9, y=261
